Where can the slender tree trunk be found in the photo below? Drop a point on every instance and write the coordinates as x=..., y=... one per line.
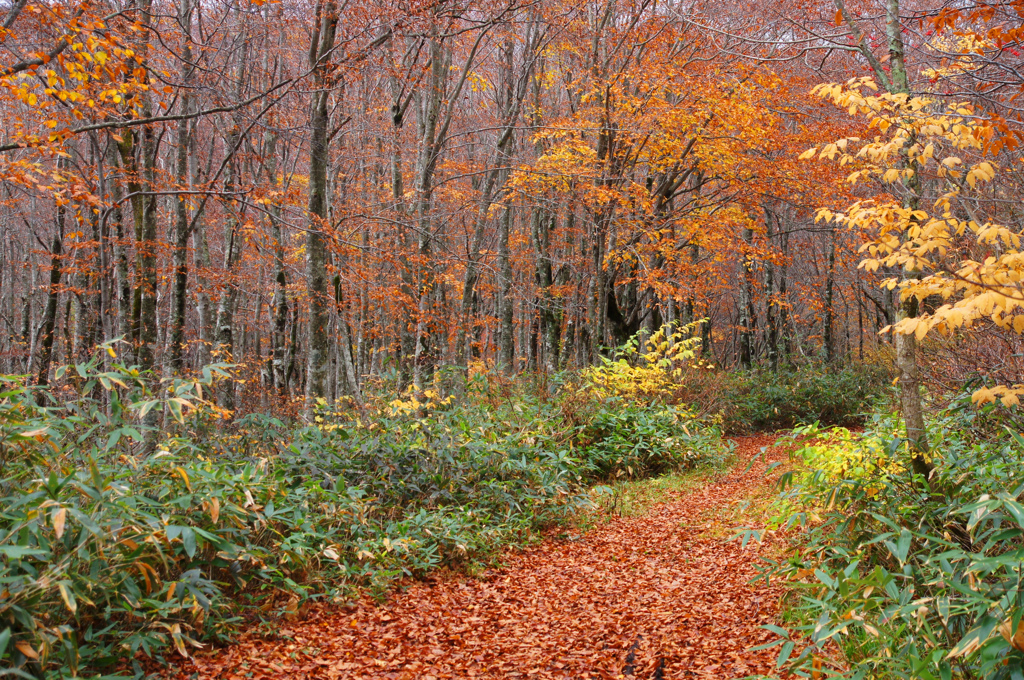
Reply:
x=141, y=182
x=897, y=81
x=506, y=310
x=146, y=228
x=87, y=308
x=906, y=344
x=600, y=288
x=317, y=340
x=860, y=322
x=228, y=303
x=430, y=107
x=182, y=229
x=204, y=305
x=543, y=221
x=746, y=320
x=771, y=304
x=49, y=321
x=102, y=234
x=27, y=336
x=279, y=337
x=786, y=347
x=407, y=340
x=147, y=275
x=569, y=340
x=545, y=280
x=829, y=321
x=346, y=363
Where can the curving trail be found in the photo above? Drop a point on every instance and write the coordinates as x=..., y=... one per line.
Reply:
x=659, y=596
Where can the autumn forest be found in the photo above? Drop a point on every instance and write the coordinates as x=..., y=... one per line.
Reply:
x=322, y=194
x=339, y=322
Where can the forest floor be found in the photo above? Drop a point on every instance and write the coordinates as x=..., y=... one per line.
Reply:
x=664, y=594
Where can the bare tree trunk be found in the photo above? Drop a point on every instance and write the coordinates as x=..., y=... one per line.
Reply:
x=146, y=282
x=506, y=322
x=543, y=223
x=102, y=234
x=400, y=103
x=906, y=344
x=512, y=91
x=48, y=324
x=599, y=294
x=829, y=321
x=746, y=320
x=27, y=336
x=545, y=279
x=860, y=321
x=346, y=364
x=87, y=308
x=435, y=109
x=228, y=303
x=784, y=318
x=278, y=337
x=429, y=111
x=141, y=182
x=494, y=181
x=146, y=228
x=317, y=340
x=771, y=305
x=569, y=340
x=201, y=262
x=179, y=294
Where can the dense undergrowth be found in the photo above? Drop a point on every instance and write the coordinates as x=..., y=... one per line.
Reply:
x=762, y=400
x=136, y=517
x=897, y=576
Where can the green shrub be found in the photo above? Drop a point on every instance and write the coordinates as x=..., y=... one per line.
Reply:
x=117, y=538
x=631, y=440
x=762, y=400
x=911, y=578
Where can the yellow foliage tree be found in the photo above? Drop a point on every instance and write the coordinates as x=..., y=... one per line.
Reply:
x=947, y=251
x=647, y=368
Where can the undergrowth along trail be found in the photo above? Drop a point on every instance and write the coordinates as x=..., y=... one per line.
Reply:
x=663, y=595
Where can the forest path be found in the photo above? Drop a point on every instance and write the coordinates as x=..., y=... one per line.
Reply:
x=664, y=595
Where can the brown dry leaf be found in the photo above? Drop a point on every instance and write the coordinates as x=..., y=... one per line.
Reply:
x=1017, y=640
x=59, y=519
x=26, y=649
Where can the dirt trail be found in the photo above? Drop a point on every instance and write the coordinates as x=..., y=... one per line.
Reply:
x=658, y=596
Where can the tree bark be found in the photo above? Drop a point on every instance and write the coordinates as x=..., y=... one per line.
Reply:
x=746, y=320
x=146, y=226
x=278, y=336
x=506, y=322
x=429, y=111
x=344, y=340
x=179, y=293
x=828, y=322
x=771, y=304
x=49, y=321
x=317, y=340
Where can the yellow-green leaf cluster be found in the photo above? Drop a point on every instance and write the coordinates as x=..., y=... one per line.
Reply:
x=648, y=368
x=944, y=251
